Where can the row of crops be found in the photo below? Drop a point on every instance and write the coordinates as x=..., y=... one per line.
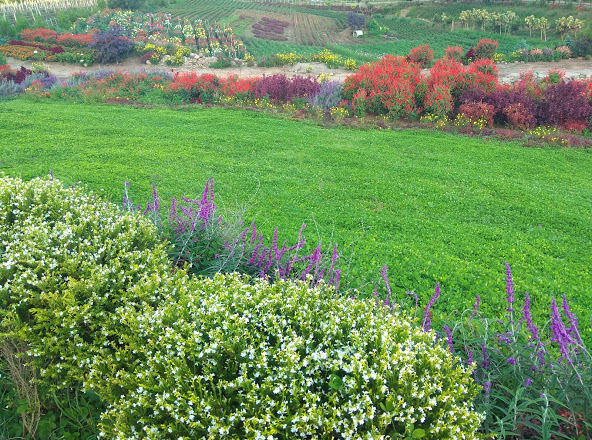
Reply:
x=221, y=9
x=312, y=30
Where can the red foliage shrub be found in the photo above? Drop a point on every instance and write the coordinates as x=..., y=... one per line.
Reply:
x=39, y=34
x=527, y=84
x=485, y=48
x=421, y=55
x=235, y=87
x=439, y=100
x=454, y=53
x=519, y=117
x=554, y=76
x=76, y=40
x=484, y=74
x=389, y=87
x=574, y=126
x=476, y=111
x=193, y=87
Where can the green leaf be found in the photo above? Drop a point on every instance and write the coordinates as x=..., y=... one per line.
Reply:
x=418, y=433
x=335, y=382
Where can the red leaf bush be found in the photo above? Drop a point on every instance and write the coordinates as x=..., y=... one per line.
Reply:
x=454, y=53
x=519, y=117
x=485, y=49
x=421, y=55
x=476, y=111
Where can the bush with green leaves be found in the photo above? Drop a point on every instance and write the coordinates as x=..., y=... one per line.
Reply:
x=229, y=358
x=68, y=262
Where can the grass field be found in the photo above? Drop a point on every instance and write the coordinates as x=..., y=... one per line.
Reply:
x=432, y=206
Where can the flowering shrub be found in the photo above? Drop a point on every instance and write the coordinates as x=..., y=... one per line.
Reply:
x=485, y=48
x=328, y=96
x=421, y=55
x=281, y=360
x=69, y=260
x=454, y=53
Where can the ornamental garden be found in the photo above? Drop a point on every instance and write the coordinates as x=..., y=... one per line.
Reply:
x=405, y=257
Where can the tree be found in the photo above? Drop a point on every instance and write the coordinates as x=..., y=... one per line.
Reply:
x=543, y=25
x=531, y=22
x=355, y=21
x=126, y=4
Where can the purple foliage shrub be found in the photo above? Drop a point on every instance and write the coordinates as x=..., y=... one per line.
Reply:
x=502, y=99
x=330, y=94
x=112, y=45
x=17, y=76
x=564, y=103
x=281, y=88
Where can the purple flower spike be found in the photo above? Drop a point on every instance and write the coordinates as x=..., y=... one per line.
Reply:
x=475, y=307
x=560, y=333
x=573, y=322
x=427, y=321
x=449, y=338
x=533, y=329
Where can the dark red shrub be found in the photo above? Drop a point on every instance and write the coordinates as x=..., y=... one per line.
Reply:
x=281, y=88
x=519, y=117
x=504, y=98
x=473, y=94
x=476, y=111
x=564, y=103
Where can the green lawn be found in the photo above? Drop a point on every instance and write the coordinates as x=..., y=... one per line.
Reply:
x=433, y=206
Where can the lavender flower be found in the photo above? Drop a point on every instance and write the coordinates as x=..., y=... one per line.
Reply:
x=573, y=322
x=427, y=320
x=560, y=333
x=449, y=338
x=533, y=329
x=511, y=361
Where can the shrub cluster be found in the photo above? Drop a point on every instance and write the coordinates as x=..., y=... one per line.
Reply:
x=88, y=298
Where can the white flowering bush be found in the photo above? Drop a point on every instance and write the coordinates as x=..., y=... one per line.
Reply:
x=229, y=358
x=68, y=262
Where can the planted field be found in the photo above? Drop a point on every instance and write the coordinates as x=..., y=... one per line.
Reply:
x=433, y=207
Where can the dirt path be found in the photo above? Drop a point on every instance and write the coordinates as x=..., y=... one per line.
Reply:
x=574, y=68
